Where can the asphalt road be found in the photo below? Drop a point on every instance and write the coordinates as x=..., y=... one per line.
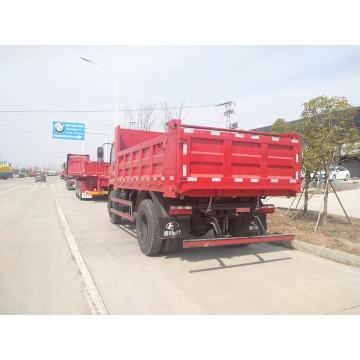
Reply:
x=39, y=275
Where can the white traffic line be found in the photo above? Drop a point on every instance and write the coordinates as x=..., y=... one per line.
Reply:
x=35, y=187
x=96, y=304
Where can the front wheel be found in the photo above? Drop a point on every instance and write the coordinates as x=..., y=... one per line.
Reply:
x=148, y=228
x=114, y=219
x=347, y=177
x=334, y=178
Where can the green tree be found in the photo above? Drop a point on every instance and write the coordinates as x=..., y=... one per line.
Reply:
x=326, y=124
x=280, y=126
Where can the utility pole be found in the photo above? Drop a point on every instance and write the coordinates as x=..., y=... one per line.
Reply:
x=229, y=111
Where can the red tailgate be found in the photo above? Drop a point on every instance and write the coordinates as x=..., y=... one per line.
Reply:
x=95, y=168
x=250, y=163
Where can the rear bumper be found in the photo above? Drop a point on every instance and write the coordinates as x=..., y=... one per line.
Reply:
x=196, y=243
x=97, y=193
x=6, y=175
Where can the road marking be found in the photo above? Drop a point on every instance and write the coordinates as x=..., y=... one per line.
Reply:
x=342, y=310
x=96, y=304
x=34, y=188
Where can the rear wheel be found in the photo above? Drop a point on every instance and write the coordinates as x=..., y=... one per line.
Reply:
x=114, y=219
x=347, y=177
x=148, y=229
x=67, y=185
x=334, y=178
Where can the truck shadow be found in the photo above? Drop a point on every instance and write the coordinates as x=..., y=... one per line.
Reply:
x=220, y=253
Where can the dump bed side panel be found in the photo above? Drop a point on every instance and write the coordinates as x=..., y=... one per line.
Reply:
x=150, y=165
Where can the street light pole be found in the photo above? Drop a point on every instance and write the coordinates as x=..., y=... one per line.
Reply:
x=105, y=140
x=116, y=89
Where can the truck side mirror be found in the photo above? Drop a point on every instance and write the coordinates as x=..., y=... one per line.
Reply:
x=100, y=153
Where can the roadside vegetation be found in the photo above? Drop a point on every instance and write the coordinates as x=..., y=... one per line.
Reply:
x=337, y=235
x=327, y=128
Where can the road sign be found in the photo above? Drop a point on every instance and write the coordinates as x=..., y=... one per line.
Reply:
x=68, y=130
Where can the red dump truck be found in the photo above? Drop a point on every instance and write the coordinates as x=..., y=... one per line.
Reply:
x=190, y=181
x=88, y=178
x=71, y=169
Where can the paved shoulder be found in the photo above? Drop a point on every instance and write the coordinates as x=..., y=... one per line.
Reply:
x=37, y=273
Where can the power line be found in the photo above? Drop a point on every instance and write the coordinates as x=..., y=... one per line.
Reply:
x=105, y=111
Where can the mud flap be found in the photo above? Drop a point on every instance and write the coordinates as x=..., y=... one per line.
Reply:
x=171, y=227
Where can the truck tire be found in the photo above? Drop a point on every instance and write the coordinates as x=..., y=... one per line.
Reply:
x=114, y=219
x=77, y=189
x=170, y=246
x=67, y=185
x=148, y=228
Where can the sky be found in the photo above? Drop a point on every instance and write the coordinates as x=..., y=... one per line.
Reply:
x=265, y=82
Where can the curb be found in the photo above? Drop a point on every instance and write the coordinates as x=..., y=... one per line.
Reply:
x=335, y=255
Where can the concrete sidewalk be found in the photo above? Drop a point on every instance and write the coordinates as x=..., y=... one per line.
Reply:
x=349, y=198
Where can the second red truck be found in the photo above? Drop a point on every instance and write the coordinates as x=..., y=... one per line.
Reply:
x=88, y=178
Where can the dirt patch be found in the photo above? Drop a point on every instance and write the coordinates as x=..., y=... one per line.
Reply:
x=338, y=234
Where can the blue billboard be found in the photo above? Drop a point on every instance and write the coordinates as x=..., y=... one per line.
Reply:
x=68, y=130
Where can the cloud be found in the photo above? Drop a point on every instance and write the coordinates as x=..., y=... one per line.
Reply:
x=265, y=81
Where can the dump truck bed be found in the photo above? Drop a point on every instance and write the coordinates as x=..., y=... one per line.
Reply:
x=86, y=168
x=200, y=161
x=75, y=164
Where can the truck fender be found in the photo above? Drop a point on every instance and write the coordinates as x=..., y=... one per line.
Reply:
x=159, y=202
x=157, y=198
x=142, y=195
